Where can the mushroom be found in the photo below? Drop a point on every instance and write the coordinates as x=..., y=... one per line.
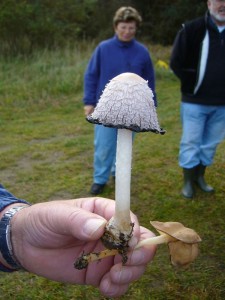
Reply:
x=127, y=104
x=182, y=241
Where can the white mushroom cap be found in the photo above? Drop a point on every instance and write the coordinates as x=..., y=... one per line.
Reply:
x=127, y=102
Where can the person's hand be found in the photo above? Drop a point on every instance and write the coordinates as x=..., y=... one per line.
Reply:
x=88, y=109
x=48, y=237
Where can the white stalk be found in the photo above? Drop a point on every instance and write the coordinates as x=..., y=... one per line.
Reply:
x=156, y=240
x=123, y=179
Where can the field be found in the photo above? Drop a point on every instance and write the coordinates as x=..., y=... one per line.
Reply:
x=46, y=151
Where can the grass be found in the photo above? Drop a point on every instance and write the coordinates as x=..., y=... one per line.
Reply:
x=46, y=150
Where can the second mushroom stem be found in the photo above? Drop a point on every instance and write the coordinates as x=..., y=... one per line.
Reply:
x=83, y=261
x=156, y=240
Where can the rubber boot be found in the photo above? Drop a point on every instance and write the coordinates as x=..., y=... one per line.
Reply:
x=188, y=187
x=200, y=180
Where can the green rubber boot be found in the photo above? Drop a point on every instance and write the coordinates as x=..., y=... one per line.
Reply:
x=200, y=180
x=188, y=187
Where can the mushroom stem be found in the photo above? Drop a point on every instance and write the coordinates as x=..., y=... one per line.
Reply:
x=119, y=229
x=156, y=240
x=123, y=179
x=83, y=261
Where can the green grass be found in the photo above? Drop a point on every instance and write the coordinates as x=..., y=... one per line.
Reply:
x=46, y=150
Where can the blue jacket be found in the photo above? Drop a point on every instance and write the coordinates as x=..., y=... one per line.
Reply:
x=6, y=198
x=111, y=58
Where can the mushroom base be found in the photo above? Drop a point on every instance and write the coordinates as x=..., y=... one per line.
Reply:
x=113, y=238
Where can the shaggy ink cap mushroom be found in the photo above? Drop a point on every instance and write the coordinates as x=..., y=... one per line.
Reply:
x=127, y=102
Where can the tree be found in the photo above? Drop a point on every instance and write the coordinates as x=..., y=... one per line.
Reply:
x=163, y=18
x=29, y=24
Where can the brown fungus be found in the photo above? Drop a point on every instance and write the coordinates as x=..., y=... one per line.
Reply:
x=182, y=241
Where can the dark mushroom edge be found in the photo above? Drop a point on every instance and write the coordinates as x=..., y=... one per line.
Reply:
x=132, y=127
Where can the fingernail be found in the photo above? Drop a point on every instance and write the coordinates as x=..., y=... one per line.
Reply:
x=92, y=225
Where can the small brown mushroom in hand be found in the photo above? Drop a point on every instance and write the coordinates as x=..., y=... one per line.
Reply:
x=182, y=242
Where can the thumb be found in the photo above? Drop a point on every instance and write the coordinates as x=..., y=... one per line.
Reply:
x=86, y=225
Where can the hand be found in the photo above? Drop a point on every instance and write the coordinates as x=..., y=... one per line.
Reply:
x=48, y=237
x=88, y=109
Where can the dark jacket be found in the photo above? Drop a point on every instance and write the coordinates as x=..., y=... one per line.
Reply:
x=198, y=60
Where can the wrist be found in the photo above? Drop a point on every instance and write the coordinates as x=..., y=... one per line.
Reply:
x=8, y=261
x=10, y=206
x=2, y=260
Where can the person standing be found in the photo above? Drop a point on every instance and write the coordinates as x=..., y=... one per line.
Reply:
x=119, y=54
x=198, y=60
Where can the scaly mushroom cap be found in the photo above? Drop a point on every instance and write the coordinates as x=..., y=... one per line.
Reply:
x=177, y=231
x=127, y=102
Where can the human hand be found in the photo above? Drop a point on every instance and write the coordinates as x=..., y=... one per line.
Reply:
x=48, y=237
x=88, y=109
